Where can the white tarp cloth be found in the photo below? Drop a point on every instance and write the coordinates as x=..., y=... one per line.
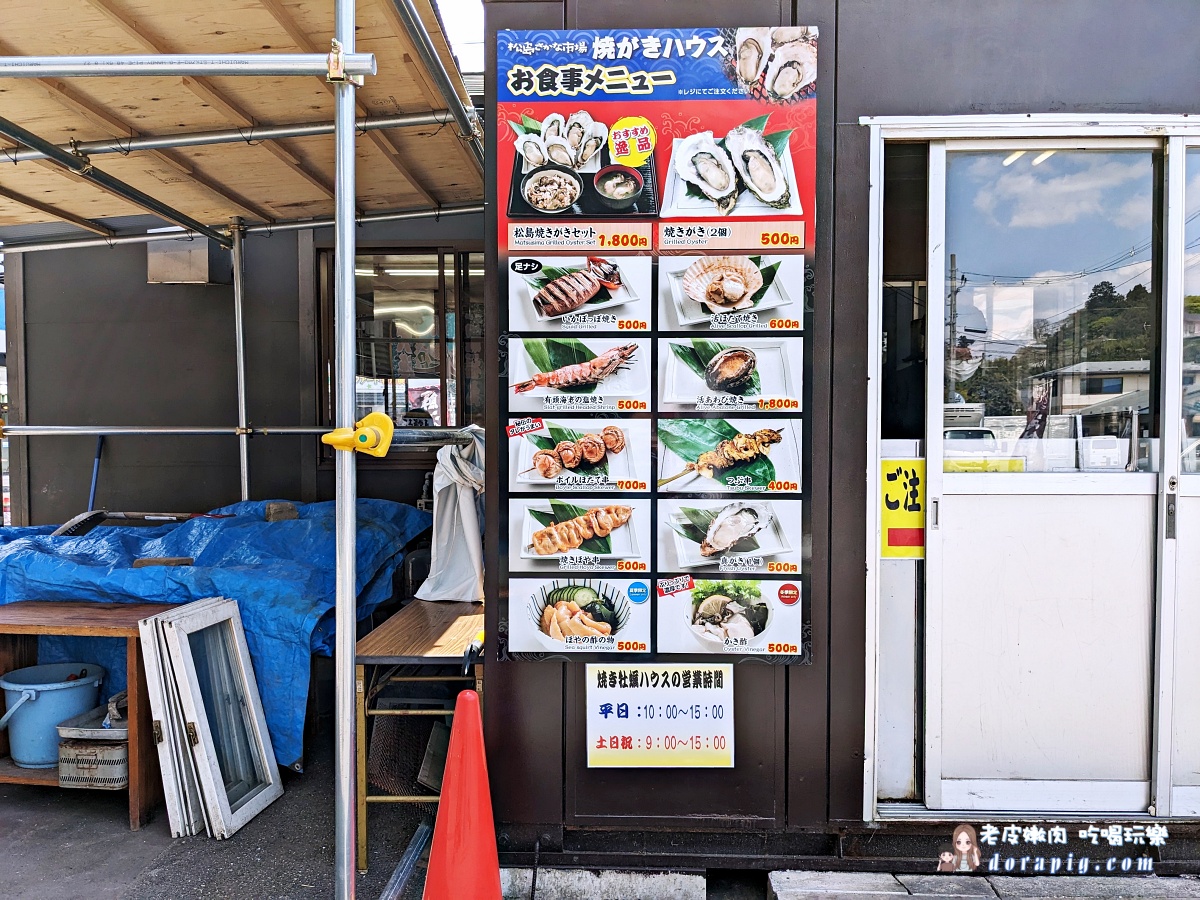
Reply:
x=456, y=562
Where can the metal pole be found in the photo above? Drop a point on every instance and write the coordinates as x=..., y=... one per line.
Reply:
x=80, y=166
x=346, y=488
x=229, y=136
x=467, y=123
x=239, y=330
x=264, y=230
x=403, y=437
x=950, y=352
x=179, y=64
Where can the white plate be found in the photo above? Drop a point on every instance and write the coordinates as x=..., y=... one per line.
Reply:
x=622, y=540
x=684, y=386
x=561, y=646
x=771, y=540
x=620, y=465
x=677, y=202
x=629, y=381
x=692, y=312
x=785, y=456
x=618, y=297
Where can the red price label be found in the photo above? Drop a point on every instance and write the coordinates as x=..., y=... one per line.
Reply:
x=789, y=594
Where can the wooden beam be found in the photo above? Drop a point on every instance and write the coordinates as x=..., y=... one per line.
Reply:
x=66, y=96
x=118, y=128
x=55, y=213
x=305, y=44
x=211, y=95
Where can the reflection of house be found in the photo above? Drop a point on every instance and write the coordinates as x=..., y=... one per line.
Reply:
x=1077, y=387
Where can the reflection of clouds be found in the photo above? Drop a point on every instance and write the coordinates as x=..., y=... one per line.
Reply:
x=1025, y=197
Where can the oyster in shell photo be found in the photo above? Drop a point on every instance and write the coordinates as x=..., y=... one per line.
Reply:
x=733, y=524
x=553, y=126
x=578, y=127
x=792, y=66
x=758, y=166
x=700, y=161
x=593, y=140
x=723, y=282
x=533, y=149
x=753, y=49
x=559, y=151
x=719, y=616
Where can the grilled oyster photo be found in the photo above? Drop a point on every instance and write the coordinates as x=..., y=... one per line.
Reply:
x=700, y=161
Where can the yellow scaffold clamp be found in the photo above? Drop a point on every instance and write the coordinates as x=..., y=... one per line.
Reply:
x=372, y=435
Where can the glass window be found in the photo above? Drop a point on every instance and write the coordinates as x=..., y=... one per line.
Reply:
x=1191, y=317
x=419, y=336
x=1052, y=310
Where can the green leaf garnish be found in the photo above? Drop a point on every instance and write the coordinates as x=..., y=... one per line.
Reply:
x=549, y=354
x=560, y=512
x=689, y=438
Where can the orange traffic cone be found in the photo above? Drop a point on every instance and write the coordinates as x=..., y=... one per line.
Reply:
x=463, y=863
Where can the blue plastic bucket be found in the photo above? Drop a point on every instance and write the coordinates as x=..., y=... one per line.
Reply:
x=37, y=699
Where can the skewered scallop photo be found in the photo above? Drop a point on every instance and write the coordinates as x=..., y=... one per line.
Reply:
x=752, y=456
x=556, y=533
x=567, y=454
x=563, y=293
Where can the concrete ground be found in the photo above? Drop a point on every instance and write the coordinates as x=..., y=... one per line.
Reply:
x=58, y=844
x=61, y=844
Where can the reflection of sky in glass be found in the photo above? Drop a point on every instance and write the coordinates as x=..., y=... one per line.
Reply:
x=1191, y=260
x=1033, y=240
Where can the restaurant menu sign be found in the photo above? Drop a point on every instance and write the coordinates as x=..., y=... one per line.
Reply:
x=655, y=197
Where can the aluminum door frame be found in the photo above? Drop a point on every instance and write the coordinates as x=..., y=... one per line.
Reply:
x=1178, y=133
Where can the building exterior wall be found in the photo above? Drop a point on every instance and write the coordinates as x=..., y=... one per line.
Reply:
x=100, y=346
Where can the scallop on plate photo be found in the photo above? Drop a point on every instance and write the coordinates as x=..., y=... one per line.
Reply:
x=581, y=614
x=564, y=292
x=714, y=292
x=597, y=371
x=734, y=615
x=738, y=374
x=565, y=454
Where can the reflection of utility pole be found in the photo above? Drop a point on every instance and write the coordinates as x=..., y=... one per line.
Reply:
x=950, y=379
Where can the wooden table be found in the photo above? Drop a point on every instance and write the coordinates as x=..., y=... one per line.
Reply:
x=20, y=625
x=421, y=634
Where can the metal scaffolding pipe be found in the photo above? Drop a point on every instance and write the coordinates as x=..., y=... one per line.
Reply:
x=264, y=230
x=83, y=168
x=403, y=437
x=229, y=136
x=345, y=484
x=178, y=64
x=239, y=331
x=468, y=124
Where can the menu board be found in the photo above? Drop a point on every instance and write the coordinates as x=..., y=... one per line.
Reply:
x=656, y=224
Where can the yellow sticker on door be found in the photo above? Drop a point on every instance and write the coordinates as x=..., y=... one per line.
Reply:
x=902, y=508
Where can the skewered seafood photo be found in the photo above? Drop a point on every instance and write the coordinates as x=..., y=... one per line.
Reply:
x=729, y=535
x=734, y=615
x=566, y=454
x=563, y=293
x=746, y=373
x=746, y=170
x=577, y=614
x=548, y=534
x=732, y=455
x=723, y=292
x=596, y=373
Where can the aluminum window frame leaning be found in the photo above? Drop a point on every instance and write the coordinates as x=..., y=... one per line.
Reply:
x=224, y=821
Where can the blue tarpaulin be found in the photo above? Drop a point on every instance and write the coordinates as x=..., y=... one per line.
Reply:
x=280, y=573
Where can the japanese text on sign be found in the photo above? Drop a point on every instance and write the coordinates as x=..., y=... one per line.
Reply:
x=660, y=716
x=902, y=508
